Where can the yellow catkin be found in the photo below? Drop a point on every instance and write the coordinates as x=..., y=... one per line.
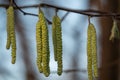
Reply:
x=94, y=51
x=45, y=45
x=11, y=39
x=9, y=13
x=59, y=45
x=54, y=24
x=39, y=45
x=89, y=52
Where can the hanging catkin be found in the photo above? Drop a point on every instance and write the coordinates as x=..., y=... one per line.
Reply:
x=9, y=23
x=54, y=24
x=57, y=42
x=59, y=45
x=11, y=39
x=45, y=45
x=92, y=52
x=89, y=52
x=39, y=44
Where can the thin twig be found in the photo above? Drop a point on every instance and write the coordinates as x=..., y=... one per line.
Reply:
x=19, y=8
x=93, y=13
x=90, y=12
x=26, y=13
x=64, y=16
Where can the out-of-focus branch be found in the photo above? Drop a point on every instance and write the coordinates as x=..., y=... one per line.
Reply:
x=70, y=70
x=83, y=70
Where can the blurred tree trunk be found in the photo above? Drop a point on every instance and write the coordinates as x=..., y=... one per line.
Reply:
x=110, y=50
x=119, y=41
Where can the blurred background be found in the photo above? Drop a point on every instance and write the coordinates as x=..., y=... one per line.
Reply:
x=74, y=31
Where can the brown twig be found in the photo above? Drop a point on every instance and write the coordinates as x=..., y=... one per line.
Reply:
x=90, y=12
x=62, y=19
x=26, y=13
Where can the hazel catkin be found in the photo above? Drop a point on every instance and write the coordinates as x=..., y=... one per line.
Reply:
x=57, y=42
x=45, y=45
x=39, y=45
x=89, y=52
x=11, y=38
x=9, y=19
x=54, y=24
x=59, y=45
x=92, y=52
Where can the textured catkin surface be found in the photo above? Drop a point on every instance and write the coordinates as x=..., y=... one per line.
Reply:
x=45, y=45
x=11, y=38
x=89, y=52
x=92, y=52
x=9, y=23
x=59, y=45
x=39, y=45
x=57, y=42
x=54, y=24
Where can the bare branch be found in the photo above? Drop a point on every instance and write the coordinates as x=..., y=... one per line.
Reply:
x=90, y=12
x=26, y=13
x=64, y=16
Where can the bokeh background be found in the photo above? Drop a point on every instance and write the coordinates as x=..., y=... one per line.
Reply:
x=74, y=31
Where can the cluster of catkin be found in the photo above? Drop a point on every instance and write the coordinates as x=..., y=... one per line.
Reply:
x=92, y=52
x=11, y=39
x=42, y=42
